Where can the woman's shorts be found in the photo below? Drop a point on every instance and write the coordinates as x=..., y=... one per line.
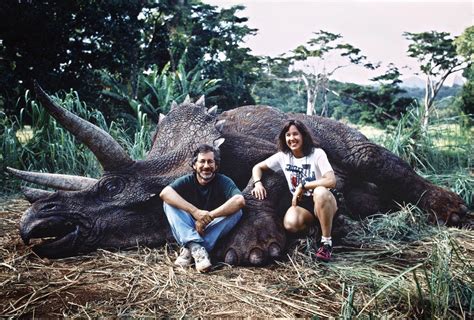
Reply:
x=307, y=202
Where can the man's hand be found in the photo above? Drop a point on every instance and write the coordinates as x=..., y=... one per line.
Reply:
x=200, y=227
x=202, y=216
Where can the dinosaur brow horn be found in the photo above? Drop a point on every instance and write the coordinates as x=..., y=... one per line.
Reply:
x=108, y=151
x=33, y=195
x=54, y=180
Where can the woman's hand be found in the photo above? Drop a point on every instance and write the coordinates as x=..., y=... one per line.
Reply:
x=297, y=195
x=259, y=191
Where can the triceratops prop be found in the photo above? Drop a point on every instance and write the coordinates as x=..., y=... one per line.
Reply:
x=123, y=209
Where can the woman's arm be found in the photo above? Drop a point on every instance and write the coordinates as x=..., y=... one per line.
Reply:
x=258, y=190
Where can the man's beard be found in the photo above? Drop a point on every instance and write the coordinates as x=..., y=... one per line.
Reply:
x=207, y=176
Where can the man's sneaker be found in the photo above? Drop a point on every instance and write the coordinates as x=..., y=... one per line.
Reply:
x=324, y=252
x=201, y=258
x=184, y=259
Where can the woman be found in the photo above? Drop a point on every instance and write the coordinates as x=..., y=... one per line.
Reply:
x=309, y=176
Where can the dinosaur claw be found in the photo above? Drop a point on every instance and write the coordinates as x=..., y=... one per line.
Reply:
x=454, y=219
x=256, y=257
x=274, y=250
x=231, y=257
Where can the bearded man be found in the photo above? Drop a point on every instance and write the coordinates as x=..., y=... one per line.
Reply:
x=201, y=208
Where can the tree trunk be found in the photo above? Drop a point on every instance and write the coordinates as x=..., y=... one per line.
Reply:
x=310, y=96
x=427, y=104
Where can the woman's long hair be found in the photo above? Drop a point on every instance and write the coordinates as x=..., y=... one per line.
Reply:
x=308, y=140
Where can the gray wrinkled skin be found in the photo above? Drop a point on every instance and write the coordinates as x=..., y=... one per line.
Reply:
x=122, y=209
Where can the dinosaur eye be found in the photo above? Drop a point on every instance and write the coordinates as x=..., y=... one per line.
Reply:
x=110, y=187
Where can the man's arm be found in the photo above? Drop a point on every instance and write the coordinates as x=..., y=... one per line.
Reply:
x=171, y=197
x=232, y=205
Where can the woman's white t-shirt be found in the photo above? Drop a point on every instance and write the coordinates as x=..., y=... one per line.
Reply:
x=310, y=167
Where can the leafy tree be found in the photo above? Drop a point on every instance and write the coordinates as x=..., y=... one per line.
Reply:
x=273, y=89
x=304, y=61
x=63, y=44
x=380, y=104
x=209, y=39
x=465, y=47
x=436, y=53
x=225, y=58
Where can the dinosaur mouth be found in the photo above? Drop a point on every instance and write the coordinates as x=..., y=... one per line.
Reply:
x=51, y=236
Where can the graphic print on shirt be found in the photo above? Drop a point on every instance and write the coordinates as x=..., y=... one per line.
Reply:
x=298, y=174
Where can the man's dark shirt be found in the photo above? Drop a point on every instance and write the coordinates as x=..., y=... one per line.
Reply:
x=207, y=197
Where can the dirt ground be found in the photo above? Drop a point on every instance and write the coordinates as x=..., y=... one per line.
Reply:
x=144, y=282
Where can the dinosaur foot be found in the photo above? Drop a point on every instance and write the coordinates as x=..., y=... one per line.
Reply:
x=257, y=240
x=446, y=207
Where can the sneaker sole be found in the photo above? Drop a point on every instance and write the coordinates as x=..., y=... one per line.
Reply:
x=183, y=265
x=205, y=269
x=323, y=259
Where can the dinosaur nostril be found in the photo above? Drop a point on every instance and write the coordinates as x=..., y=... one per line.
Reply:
x=274, y=250
x=231, y=257
x=49, y=206
x=256, y=257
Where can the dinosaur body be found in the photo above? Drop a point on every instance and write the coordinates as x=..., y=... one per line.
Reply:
x=122, y=208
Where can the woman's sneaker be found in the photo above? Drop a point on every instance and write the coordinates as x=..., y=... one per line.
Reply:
x=184, y=259
x=324, y=252
x=201, y=259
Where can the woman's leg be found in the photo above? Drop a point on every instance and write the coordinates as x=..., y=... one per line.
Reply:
x=297, y=219
x=325, y=207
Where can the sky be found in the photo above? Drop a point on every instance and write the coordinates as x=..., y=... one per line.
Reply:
x=375, y=27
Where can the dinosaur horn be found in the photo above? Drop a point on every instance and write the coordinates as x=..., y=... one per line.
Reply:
x=109, y=153
x=54, y=180
x=220, y=125
x=33, y=195
x=174, y=105
x=161, y=117
x=212, y=110
x=201, y=101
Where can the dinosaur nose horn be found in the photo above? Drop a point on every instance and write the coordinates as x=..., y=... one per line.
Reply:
x=108, y=151
x=54, y=180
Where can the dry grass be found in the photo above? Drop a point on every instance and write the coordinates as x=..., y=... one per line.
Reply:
x=365, y=280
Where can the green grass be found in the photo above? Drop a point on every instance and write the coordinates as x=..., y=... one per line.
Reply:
x=443, y=154
x=397, y=265
x=45, y=146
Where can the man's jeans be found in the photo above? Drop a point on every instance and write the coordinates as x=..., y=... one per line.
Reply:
x=184, y=228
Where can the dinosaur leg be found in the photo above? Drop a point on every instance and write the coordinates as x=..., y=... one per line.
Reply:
x=396, y=179
x=362, y=199
x=259, y=237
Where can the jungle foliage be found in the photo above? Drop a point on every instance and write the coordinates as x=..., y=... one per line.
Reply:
x=128, y=60
x=65, y=44
x=119, y=64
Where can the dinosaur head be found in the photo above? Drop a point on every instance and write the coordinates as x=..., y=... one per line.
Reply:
x=122, y=208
